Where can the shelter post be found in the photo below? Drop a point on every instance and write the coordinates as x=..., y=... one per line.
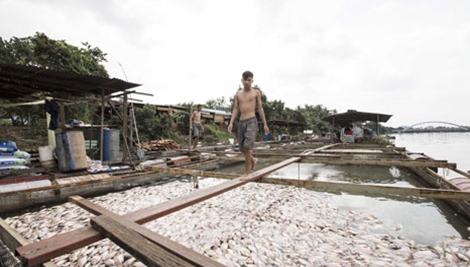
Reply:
x=124, y=128
x=377, y=125
x=190, y=114
x=101, y=126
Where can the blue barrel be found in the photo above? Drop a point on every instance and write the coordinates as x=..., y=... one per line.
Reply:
x=110, y=145
x=71, y=151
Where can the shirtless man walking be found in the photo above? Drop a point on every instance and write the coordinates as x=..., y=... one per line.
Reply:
x=246, y=101
x=195, y=126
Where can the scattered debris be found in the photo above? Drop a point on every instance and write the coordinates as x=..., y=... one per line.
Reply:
x=157, y=145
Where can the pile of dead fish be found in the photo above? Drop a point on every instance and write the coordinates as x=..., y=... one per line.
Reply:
x=253, y=225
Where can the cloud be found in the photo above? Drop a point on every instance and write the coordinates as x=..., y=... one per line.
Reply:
x=409, y=59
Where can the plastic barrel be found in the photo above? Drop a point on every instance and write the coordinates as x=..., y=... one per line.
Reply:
x=71, y=151
x=110, y=145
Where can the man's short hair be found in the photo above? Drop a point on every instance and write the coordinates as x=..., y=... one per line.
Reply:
x=199, y=106
x=247, y=74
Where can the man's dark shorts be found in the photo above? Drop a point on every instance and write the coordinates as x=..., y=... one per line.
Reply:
x=197, y=129
x=247, y=130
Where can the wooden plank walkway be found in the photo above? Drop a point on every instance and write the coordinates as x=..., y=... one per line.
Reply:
x=131, y=236
x=190, y=257
x=52, y=247
x=149, y=253
x=338, y=186
x=385, y=162
x=407, y=163
x=362, y=189
x=11, y=239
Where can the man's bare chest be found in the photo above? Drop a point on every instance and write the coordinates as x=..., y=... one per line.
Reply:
x=247, y=97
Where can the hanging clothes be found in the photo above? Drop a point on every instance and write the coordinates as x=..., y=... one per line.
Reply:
x=52, y=107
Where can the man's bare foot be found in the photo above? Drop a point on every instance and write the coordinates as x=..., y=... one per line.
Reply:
x=196, y=150
x=244, y=177
x=253, y=162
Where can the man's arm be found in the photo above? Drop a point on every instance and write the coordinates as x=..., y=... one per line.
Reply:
x=234, y=113
x=261, y=111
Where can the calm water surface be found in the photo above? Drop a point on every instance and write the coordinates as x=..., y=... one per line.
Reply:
x=419, y=219
x=453, y=147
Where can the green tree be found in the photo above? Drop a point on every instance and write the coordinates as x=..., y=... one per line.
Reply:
x=41, y=51
x=216, y=103
x=312, y=116
x=152, y=126
x=276, y=110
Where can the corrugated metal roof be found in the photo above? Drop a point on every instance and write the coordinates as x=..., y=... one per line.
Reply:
x=356, y=116
x=216, y=112
x=20, y=81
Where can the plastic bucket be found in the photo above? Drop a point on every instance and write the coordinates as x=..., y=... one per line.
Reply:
x=71, y=151
x=46, y=157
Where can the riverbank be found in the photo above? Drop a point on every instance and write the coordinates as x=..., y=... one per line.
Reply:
x=253, y=225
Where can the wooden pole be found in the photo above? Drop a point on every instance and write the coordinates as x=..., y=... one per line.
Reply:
x=61, y=116
x=189, y=135
x=102, y=125
x=125, y=157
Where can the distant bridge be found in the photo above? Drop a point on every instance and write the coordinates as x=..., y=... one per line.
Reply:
x=414, y=126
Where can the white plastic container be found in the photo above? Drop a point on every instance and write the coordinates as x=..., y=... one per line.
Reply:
x=46, y=157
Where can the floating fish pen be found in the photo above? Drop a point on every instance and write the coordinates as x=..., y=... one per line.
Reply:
x=193, y=210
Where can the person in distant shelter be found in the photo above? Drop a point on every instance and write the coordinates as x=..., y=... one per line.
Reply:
x=246, y=101
x=346, y=134
x=357, y=131
x=196, y=127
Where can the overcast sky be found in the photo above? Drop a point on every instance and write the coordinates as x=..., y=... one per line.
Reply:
x=407, y=58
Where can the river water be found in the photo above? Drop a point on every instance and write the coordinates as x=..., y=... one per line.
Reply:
x=421, y=219
x=453, y=147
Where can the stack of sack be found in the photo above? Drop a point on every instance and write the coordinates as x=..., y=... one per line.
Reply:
x=11, y=158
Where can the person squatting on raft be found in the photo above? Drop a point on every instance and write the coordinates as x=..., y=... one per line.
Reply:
x=195, y=125
x=246, y=101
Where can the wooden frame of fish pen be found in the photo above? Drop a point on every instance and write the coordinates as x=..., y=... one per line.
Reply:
x=126, y=228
